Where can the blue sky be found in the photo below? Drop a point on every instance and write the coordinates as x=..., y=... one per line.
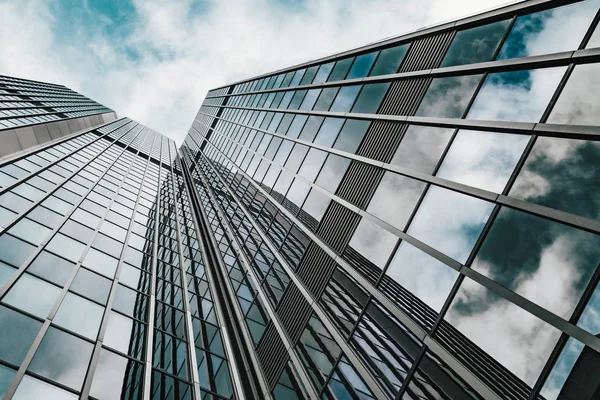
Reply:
x=154, y=60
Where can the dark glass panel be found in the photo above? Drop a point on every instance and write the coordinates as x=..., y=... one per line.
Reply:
x=448, y=97
x=562, y=174
x=389, y=60
x=549, y=31
x=14, y=251
x=546, y=262
x=340, y=70
x=475, y=45
x=62, y=358
x=351, y=135
x=362, y=65
x=370, y=98
x=18, y=332
x=32, y=295
x=51, y=267
x=329, y=131
x=91, y=285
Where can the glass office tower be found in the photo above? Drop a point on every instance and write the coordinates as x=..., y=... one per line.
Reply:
x=412, y=219
x=33, y=113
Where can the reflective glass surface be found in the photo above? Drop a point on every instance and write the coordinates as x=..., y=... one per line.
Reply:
x=549, y=31
x=475, y=45
x=6, y=271
x=101, y=263
x=116, y=378
x=32, y=295
x=6, y=376
x=14, y=251
x=370, y=97
x=329, y=131
x=389, y=60
x=520, y=96
x=562, y=174
x=395, y=199
x=62, y=358
x=579, y=101
x=124, y=334
x=448, y=97
x=18, y=332
x=51, y=267
x=450, y=222
x=332, y=172
x=91, y=285
x=79, y=315
x=515, y=338
x=361, y=66
x=351, y=135
x=424, y=276
x=421, y=148
x=32, y=388
x=544, y=261
x=345, y=98
x=483, y=159
x=373, y=242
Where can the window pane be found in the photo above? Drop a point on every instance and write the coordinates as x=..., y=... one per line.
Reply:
x=6, y=376
x=345, y=98
x=562, y=174
x=424, y=276
x=550, y=31
x=351, y=135
x=311, y=127
x=448, y=97
x=312, y=164
x=475, y=45
x=326, y=99
x=32, y=295
x=332, y=172
x=370, y=97
x=51, y=267
x=362, y=65
x=66, y=247
x=18, y=332
x=421, y=148
x=14, y=251
x=483, y=159
x=6, y=271
x=79, y=315
x=516, y=96
x=328, y=132
x=30, y=231
x=125, y=335
x=340, y=70
x=323, y=73
x=116, y=377
x=76, y=230
x=389, y=60
x=579, y=101
x=101, y=263
x=31, y=388
x=544, y=261
x=515, y=338
x=373, y=242
x=315, y=206
x=91, y=285
x=130, y=302
x=62, y=358
x=450, y=222
x=395, y=199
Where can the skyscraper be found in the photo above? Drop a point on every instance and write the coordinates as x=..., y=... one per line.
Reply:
x=412, y=219
x=33, y=113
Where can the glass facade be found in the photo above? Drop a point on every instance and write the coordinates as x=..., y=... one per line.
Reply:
x=413, y=219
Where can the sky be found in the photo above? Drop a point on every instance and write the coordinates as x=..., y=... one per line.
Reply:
x=154, y=60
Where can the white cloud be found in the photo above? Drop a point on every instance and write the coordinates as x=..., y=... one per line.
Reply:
x=184, y=52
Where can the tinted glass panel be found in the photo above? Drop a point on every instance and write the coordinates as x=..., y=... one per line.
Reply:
x=373, y=242
x=544, y=261
x=395, y=199
x=6, y=271
x=62, y=358
x=424, y=276
x=421, y=148
x=6, y=376
x=79, y=315
x=332, y=172
x=32, y=295
x=389, y=60
x=550, y=31
x=18, y=332
x=30, y=231
x=475, y=45
x=14, y=251
x=483, y=159
x=351, y=135
x=91, y=285
x=323, y=73
x=51, y=267
x=340, y=70
x=328, y=132
x=124, y=334
x=516, y=96
x=370, y=97
x=345, y=98
x=562, y=174
x=362, y=65
x=116, y=378
x=579, y=101
x=32, y=388
x=518, y=340
x=450, y=222
x=448, y=97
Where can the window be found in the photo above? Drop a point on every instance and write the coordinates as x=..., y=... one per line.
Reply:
x=370, y=97
x=14, y=251
x=51, y=267
x=79, y=315
x=373, y=242
x=475, y=45
x=332, y=172
x=18, y=333
x=421, y=148
x=389, y=60
x=517, y=95
x=362, y=65
x=448, y=97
